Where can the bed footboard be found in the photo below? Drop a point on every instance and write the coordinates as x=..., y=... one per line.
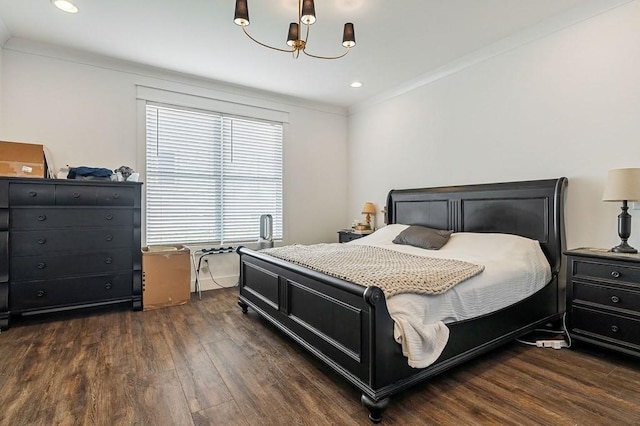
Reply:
x=336, y=320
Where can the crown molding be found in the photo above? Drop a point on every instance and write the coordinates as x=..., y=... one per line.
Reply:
x=541, y=30
x=4, y=33
x=258, y=97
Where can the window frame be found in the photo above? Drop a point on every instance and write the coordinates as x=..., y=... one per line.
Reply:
x=279, y=228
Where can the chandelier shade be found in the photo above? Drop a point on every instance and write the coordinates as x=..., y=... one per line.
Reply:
x=242, y=13
x=306, y=17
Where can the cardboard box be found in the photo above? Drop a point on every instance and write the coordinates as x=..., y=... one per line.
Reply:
x=166, y=276
x=22, y=160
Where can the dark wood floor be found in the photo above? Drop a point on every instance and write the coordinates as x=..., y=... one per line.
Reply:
x=207, y=363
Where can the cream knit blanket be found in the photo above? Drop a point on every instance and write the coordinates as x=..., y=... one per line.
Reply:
x=391, y=271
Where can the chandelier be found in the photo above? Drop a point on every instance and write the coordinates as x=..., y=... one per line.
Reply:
x=297, y=44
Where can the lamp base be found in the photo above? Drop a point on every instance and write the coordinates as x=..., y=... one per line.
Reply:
x=623, y=247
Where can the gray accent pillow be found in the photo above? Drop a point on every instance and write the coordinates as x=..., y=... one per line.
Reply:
x=423, y=237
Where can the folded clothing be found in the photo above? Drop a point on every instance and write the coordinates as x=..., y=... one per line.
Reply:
x=83, y=171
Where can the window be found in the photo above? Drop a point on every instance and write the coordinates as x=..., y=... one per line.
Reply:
x=210, y=176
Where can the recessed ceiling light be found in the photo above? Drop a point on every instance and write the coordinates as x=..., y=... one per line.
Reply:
x=65, y=5
x=356, y=84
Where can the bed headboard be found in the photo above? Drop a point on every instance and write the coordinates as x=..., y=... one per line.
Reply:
x=532, y=209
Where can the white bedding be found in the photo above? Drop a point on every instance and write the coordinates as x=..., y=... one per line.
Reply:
x=515, y=268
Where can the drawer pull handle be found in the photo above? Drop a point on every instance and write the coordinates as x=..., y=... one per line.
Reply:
x=615, y=299
x=108, y=238
x=615, y=274
x=42, y=265
x=42, y=240
x=108, y=216
x=76, y=195
x=108, y=260
x=40, y=293
x=33, y=194
x=42, y=217
x=614, y=328
x=107, y=286
x=116, y=196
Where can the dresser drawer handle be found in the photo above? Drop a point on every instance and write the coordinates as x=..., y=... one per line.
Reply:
x=41, y=265
x=615, y=274
x=116, y=196
x=108, y=216
x=108, y=238
x=33, y=194
x=615, y=299
x=40, y=293
x=107, y=286
x=614, y=328
x=42, y=240
x=42, y=217
x=108, y=260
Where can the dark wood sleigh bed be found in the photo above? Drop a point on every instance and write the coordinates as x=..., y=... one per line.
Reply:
x=348, y=326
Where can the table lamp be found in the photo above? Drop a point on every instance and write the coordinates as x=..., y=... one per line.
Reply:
x=623, y=185
x=368, y=209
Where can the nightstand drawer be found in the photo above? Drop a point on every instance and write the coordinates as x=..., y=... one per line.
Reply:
x=608, y=296
x=346, y=236
x=609, y=326
x=606, y=271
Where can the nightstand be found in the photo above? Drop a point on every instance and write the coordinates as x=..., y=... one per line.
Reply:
x=603, y=298
x=345, y=235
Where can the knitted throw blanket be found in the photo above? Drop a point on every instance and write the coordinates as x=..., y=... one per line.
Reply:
x=391, y=271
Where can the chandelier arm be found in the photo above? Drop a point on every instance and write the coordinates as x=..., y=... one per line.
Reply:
x=306, y=35
x=266, y=45
x=326, y=57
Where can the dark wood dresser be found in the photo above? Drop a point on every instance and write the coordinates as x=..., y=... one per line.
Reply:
x=68, y=244
x=603, y=298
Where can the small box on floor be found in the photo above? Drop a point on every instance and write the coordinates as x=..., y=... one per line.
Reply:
x=166, y=276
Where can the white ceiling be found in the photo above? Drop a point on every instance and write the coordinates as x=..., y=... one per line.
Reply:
x=397, y=41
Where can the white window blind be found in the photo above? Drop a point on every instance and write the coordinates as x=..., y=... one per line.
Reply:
x=210, y=176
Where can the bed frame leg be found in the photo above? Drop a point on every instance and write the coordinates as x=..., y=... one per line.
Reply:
x=376, y=408
x=244, y=306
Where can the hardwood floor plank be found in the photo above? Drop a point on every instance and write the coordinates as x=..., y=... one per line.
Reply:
x=226, y=413
x=271, y=392
x=202, y=385
x=206, y=363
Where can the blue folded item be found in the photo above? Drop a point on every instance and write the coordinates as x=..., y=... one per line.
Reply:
x=84, y=171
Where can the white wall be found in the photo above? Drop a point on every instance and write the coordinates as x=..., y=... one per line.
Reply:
x=84, y=110
x=1, y=91
x=565, y=105
x=4, y=36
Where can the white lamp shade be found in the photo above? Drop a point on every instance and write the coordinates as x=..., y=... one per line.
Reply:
x=622, y=185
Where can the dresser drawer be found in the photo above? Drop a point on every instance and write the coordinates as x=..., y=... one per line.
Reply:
x=31, y=194
x=29, y=243
x=75, y=195
x=607, y=296
x=116, y=196
x=53, y=293
x=24, y=268
x=43, y=217
x=606, y=271
x=610, y=326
